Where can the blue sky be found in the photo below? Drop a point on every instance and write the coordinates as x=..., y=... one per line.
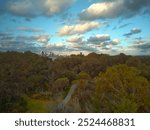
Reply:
x=74, y=26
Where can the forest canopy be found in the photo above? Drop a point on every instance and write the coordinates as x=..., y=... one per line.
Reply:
x=92, y=83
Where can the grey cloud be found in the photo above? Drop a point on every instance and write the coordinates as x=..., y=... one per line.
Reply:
x=34, y=43
x=13, y=20
x=33, y=8
x=22, y=43
x=138, y=38
x=91, y=44
x=3, y=34
x=102, y=40
x=132, y=32
x=28, y=19
x=136, y=5
x=114, y=28
x=125, y=25
x=35, y=38
x=87, y=48
x=115, y=8
x=135, y=30
x=55, y=47
x=142, y=45
x=127, y=34
x=98, y=39
x=78, y=44
x=30, y=29
x=6, y=38
x=82, y=47
x=15, y=45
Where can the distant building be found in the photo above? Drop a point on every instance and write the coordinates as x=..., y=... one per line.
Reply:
x=44, y=54
x=51, y=55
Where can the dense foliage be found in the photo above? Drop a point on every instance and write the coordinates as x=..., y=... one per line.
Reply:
x=33, y=83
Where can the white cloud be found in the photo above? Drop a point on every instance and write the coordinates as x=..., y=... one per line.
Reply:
x=75, y=39
x=42, y=38
x=115, y=8
x=78, y=28
x=102, y=10
x=115, y=41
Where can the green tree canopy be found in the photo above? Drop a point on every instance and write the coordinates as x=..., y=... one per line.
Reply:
x=122, y=89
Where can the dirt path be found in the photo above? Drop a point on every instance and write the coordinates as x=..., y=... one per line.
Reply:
x=62, y=105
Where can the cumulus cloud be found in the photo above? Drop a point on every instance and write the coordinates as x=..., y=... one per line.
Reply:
x=56, y=47
x=10, y=41
x=142, y=45
x=113, y=9
x=87, y=48
x=76, y=43
x=80, y=47
x=75, y=39
x=115, y=41
x=34, y=43
x=95, y=43
x=135, y=30
x=56, y=6
x=41, y=39
x=132, y=32
x=101, y=10
x=34, y=8
x=99, y=38
x=103, y=41
x=78, y=28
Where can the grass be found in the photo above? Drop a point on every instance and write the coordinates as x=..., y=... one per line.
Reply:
x=37, y=105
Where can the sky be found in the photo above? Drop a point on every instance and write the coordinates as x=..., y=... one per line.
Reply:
x=72, y=26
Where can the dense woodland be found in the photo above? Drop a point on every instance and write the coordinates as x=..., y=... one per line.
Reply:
x=102, y=83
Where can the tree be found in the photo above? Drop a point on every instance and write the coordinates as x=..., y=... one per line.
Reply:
x=83, y=75
x=122, y=89
x=60, y=85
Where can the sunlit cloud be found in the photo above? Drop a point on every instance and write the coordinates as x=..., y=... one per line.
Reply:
x=113, y=9
x=78, y=28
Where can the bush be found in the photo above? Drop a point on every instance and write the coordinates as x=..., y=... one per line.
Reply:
x=83, y=75
x=13, y=104
x=60, y=84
